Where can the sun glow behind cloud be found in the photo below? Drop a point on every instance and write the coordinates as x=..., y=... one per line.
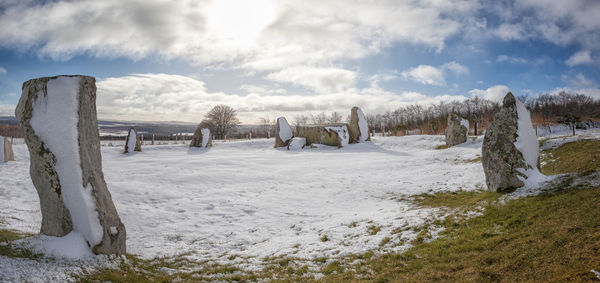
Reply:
x=239, y=24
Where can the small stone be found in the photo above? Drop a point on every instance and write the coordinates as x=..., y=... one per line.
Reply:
x=457, y=130
x=283, y=133
x=133, y=142
x=358, y=126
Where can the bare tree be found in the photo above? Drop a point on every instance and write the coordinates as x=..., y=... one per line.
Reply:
x=300, y=120
x=221, y=119
x=267, y=125
x=319, y=119
x=335, y=118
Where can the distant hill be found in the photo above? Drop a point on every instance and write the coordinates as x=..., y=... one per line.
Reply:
x=108, y=127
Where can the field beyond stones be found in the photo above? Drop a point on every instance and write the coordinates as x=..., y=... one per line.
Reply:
x=244, y=206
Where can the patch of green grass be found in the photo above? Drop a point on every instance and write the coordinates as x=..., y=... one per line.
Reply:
x=550, y=237
x=463, y=199
x=384, y=241
x=324, y=238
x=373, y=230
x=10, y=250
x=443, y=146
x=574, y=157
x=474, y=160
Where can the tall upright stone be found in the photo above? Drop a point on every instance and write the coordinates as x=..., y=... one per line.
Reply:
x=6, y=151
x=202, y=138
x=283, y=132
x=457, y=130
x=358, y=126
x=58, y=118
x=510, y=152
x=133, y=142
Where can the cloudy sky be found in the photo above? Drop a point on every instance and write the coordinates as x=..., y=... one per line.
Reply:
x=174, y=60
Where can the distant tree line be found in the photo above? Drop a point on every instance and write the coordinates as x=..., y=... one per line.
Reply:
x=10, y=131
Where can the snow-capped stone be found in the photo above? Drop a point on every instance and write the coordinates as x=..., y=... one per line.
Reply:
x=358, y=126
x=342, y=133
x=6, y=151
x=297, y=143
x=510, y=148
x=457, y=130
x=202, y=138
x=133, y=142
x=58, y=117
x=283, y=132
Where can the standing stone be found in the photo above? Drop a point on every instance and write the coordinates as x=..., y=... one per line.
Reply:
x=505, y=156
x=457, y=130
x=58, y=118
x=283, y=132
x=133, y=142
x=202, y=138
x=358, y=126
x=6, y=153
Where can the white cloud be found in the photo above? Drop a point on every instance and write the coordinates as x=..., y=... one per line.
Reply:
x=456, y=68
x=430, y=75
x=579, y=58
x=579, y=81
x=512, y=59
x=2, y=71
x=425, y=74
x=494, y=93
x=321, y=80
x=164, y=97
x=7, y=109
x=256, y=35
x=560, y=22
x=510, y=31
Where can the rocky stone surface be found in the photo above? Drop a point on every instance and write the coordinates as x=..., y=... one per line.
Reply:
x=283, y=133
x=133, y=142
x=321, y=134
x=202, y=138
x=358, y=127
x=8, y=154
x=72, y=197
x=503, y=163
x=457, y=130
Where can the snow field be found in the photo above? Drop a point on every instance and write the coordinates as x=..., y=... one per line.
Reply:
x=246, y=200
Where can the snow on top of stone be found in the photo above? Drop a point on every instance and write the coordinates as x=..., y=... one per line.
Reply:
x=297, y=143
x=362, y=126
x=342, y=132
x=54, y=120
x=465, y=122
x=131, y=141
x=205, y=136
x=1, y=149
x=285, y=131
x=527, y=142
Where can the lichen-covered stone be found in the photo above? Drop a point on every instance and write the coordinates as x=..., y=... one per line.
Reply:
x=200, y=135
x=133, y=142
x=503, y=163
x=358, y=127
x=56, y=217
x=456, y=133
x=283, y=133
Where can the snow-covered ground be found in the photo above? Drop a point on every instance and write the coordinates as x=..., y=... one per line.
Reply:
x=250, y=200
